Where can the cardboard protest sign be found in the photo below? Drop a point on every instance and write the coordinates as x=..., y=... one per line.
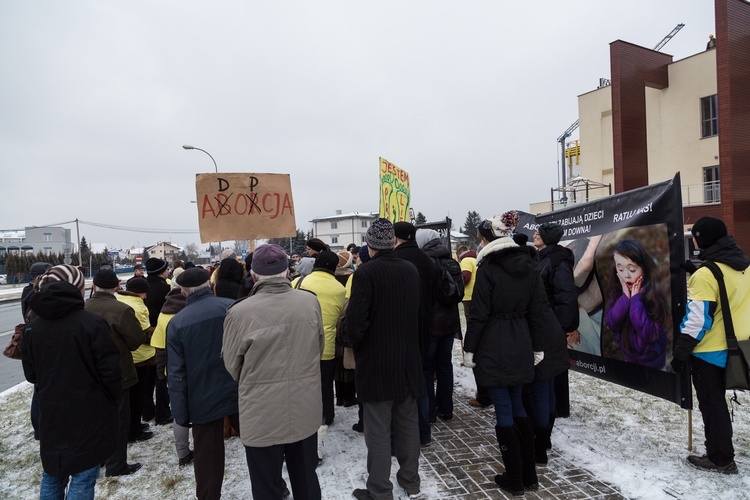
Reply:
x=394, y=192
x=613, y=239
x=244, y=206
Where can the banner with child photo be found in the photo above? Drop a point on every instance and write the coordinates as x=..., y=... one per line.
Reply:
x=629, y=249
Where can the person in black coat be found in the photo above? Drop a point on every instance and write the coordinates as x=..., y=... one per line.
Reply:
x=550, y=397
x=229, y=282
x=438, y=360
x=504, y=340
x=69, y=354
x=381, y=324
x=36, y=270
x=429, y=278
x=158, y=271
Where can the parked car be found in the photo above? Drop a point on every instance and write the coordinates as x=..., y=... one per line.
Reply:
x=3, y=279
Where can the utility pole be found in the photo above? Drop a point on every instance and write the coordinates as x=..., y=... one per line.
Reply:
x=78, y=235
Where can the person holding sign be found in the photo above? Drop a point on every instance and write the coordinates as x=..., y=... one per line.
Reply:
x=702, y=343
x=637, y=308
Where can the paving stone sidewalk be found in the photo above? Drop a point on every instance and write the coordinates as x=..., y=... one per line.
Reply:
x=464, y=456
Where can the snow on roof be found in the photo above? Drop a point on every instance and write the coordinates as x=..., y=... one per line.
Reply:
x=348, y=215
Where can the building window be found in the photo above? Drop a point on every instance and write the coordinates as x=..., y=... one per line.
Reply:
x=711, y=185
x=364, y=223
x=364, y=238
x=47, y=236
x=334, y=225
x=709, y=116
x=47, y=249
x=334, y=239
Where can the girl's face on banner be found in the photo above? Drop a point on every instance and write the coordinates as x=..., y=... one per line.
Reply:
x=627, y=270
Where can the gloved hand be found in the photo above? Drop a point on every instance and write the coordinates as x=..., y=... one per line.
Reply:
x=469, y=360
x=689, y=266
x=538, y=357
x=678, y=365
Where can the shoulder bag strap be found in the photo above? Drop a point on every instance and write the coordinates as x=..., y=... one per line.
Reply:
x=725, y=310
x=299, y=282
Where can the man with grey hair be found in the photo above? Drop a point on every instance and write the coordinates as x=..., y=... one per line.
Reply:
x=273, y=343
x=200, y=389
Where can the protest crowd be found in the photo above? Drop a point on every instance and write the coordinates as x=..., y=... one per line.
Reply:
x=267, y=348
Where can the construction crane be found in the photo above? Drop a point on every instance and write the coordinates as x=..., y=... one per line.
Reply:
x=561, y=140
x=667, y=38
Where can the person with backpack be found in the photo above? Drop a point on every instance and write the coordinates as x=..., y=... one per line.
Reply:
x=438, y=359
x=429, y=277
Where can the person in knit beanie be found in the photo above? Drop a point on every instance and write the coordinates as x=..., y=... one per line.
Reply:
x=550, y=391
x=707, y=231
x=505, y=340
x=380, y=235
x=382, y=325
x=70, y=357
x=63, y=273
x=36, y=270
x=702, y=348
x=279, y=332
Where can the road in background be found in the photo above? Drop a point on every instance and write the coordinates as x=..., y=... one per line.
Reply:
x=11, y=372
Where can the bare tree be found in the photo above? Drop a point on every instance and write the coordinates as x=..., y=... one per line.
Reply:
x=191, y=251
x=240, y=245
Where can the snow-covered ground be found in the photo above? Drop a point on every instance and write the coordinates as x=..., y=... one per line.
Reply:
x=631, y=440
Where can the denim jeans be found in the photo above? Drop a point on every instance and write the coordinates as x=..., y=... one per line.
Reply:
x=81, y=485
x=542, y=401
x=508, y=404
x=439, y=360
x=423, y=414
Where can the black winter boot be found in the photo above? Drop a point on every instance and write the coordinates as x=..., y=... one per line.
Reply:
x=528, y=466
x=541, y=437
x=510, y=448
x=548, y=442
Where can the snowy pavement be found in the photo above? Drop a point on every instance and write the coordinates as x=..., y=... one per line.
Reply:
x=618, y=443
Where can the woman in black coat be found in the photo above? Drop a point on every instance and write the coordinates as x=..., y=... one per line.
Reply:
x=504, y=342
x=70, y=355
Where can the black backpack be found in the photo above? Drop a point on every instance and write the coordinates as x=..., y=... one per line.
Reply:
x=451, y=284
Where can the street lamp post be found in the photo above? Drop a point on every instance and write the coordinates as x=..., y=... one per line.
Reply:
x=188, y=147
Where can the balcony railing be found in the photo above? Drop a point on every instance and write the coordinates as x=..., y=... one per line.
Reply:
x=705, y=193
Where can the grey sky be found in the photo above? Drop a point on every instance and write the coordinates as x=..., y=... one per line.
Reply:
x=97, y=98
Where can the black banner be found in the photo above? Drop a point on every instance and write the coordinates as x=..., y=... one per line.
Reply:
x=629, y=249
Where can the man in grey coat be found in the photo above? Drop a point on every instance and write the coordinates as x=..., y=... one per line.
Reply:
x=273, y=342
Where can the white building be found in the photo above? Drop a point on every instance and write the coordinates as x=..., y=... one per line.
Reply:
x=337, y=231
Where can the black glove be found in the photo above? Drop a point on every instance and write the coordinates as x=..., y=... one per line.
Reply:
x=678, y=365
x=520, y=239
x=689, y=267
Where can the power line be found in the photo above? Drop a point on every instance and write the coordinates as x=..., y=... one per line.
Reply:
x=116, y=228
x=139, y=229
